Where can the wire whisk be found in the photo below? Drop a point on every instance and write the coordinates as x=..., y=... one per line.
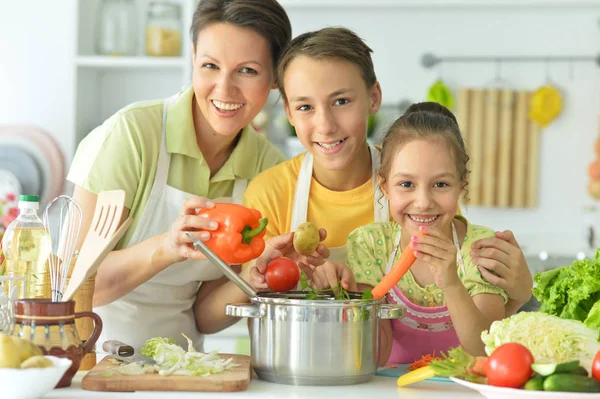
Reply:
x=63, y=235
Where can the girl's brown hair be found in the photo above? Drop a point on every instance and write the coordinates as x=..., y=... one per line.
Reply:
x=265, y=17
x=327, y=43
x=423, y=121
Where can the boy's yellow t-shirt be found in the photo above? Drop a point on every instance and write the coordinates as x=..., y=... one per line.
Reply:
x=339, y=212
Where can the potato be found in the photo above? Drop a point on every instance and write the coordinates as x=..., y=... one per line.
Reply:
x=27, y=348
x=38, y=362
x=9, y=353
x=306, y=238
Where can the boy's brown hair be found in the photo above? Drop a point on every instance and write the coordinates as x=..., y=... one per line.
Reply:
x=334, y=42
x=265, y=17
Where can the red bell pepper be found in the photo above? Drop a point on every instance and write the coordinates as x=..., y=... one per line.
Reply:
x=240, y=235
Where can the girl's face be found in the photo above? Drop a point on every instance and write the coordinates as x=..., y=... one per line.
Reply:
x=232, y=77
x=328, y=103
x=423, y=186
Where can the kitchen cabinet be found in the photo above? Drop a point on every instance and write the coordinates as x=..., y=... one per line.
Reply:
x=105, y=83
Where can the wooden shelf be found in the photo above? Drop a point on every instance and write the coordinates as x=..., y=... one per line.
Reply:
x=130, y=62
x=291, y=4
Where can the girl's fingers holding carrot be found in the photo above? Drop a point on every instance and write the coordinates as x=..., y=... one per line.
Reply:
x=431, y=250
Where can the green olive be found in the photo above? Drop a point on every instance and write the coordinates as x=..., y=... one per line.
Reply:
x=9, y=353
x=306, y=238
x=38, y=362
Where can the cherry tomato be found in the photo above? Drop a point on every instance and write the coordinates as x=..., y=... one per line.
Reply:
x=509, y=366
x=596, y=367
x=282, y=274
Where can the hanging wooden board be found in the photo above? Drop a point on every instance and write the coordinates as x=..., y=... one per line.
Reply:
x=519, y=159
x=462, y=116
x=504, y=147
x=476, y=145
x=533, y=164
x=490, y=147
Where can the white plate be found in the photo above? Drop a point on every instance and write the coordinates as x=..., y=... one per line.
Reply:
x=492, y=392
x=35, y=153
x=32, y=383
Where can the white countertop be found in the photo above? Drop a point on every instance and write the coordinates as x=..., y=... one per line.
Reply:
x=379, y=387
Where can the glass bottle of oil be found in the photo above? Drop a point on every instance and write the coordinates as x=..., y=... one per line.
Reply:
x=25, y=244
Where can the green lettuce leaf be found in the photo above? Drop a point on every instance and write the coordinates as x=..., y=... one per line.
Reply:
x=570, y=292
x=593, y=318
x=151, y=345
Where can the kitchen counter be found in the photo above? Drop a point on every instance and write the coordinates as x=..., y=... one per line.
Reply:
x=379, y=387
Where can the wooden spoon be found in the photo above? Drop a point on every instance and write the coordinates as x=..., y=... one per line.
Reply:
x=103, y=235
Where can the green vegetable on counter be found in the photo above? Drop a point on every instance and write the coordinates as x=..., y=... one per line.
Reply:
x=149, y=348
x=572, y=292
x=546, y=369
x=535, y=384
x=571, y=383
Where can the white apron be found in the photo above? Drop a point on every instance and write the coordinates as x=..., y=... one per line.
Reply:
x=162, y=307
x=300, y=210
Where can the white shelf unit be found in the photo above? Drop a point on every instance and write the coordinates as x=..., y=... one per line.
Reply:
x=105, y=84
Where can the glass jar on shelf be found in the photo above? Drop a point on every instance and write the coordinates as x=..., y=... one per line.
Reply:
x=116, y=28
x=163, y=29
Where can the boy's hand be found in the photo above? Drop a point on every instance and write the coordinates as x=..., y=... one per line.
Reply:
x=283, y=246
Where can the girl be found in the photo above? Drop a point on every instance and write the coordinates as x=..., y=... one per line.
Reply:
x=423, y=173
x=167, y=154
x=329, y=87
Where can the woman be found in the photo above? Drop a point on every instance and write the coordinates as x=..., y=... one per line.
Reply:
x=169, y=157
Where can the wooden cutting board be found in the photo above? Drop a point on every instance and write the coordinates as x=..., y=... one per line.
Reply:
x=100, y=378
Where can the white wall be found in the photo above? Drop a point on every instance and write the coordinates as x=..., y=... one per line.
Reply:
x=36, y=83
x=36, y=72
x=399, y=36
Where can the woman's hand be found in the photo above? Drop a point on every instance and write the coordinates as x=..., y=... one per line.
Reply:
x=504, y=256
x=329, y=274
x=439, y=252
x=283, y=246
x=176, y=244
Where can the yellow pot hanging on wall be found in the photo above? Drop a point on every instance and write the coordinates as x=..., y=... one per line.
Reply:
x=545, y=105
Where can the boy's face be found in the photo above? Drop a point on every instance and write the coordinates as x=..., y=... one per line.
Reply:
x=329, y=104
x=423, y=186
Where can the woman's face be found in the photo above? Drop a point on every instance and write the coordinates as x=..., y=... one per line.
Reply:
x=232, y=77
x=329, y=104
x=423, y=186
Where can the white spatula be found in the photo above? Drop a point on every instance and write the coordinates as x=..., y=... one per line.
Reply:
x=103, y=235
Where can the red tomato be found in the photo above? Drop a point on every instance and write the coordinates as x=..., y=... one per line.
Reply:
x=596, y=367
x=282, y=274
x=509, y=366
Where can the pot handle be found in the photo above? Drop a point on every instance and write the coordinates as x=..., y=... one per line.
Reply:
x=391, y=311
x=244, y=310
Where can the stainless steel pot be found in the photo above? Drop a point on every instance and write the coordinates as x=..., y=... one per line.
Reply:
x=314, y=342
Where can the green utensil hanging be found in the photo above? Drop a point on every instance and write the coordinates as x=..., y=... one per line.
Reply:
x=440, y=93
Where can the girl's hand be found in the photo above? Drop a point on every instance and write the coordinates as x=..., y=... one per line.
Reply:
x=439, y=252
x=283, y=246
x=176, y=244
x=328, y=274
x=504, y=256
